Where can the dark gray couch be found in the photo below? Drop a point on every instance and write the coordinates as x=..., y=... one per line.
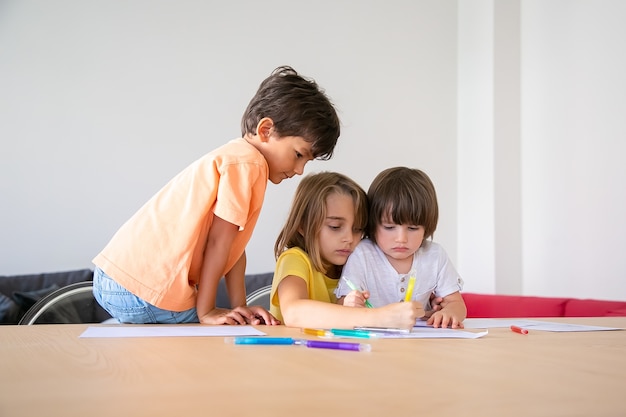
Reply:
x=18, y=293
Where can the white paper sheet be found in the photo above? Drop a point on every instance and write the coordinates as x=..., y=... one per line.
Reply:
x=423, y=331
x=432, y=333
x=169, y=331
x=532, y=325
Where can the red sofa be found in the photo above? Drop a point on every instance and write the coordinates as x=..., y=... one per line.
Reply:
x=505, y=306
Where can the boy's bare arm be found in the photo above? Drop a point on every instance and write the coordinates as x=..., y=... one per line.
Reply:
x=236, y=282
x=219, y=241
x=221, y=237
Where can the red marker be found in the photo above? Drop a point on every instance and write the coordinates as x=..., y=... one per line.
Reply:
x=519, y=330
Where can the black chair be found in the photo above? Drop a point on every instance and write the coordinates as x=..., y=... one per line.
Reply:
x=73, y=303
x=260, y=297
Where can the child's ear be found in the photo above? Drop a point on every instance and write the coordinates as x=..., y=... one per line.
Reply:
x=264, y=128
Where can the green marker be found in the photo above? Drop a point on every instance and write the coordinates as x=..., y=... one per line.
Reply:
x=354, y=288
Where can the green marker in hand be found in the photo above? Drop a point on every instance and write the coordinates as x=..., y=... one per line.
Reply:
x=354, y=288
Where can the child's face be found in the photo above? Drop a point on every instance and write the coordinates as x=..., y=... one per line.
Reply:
x=399, y=241
x=338, y=236
x=286, y=156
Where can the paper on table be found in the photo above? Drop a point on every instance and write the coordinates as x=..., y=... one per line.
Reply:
x=421, y=330
x=156, y=330
x=532, y=325
x=432, y=333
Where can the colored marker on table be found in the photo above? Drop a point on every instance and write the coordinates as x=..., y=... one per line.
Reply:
x=410, y=286
x=321, y=344
x=318, y=332
x=519, y=330
x=262, y=340
x=359, y=334
x=382, y=330
x=354, y=288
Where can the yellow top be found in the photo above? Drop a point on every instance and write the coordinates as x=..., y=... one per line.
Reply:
x=294, y=261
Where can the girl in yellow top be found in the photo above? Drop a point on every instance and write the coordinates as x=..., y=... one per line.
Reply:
x=327, y=220
x=164, y=264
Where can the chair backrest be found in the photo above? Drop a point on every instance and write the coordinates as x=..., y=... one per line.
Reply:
x=260, y=297
x=73, y=303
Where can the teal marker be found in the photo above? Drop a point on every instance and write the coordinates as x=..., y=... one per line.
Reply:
x=261, y=340
x=361, y=334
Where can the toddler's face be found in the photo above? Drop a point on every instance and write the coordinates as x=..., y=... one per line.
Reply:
x=399, y=241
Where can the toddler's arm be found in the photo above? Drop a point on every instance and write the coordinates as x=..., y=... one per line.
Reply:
x=452, y=313
x=436, y=304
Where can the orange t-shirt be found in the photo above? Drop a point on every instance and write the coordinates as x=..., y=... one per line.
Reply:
x=158, y=253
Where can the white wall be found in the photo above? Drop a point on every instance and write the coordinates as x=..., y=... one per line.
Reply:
x=541, y=132
x=574, y=131
x=104, y=101
x=515, y=108
x=476, y=232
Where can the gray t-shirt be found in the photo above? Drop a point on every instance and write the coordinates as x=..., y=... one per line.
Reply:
x=368, y=268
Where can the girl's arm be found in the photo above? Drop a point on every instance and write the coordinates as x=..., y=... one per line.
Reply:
x=300, y=311
x=452, y=313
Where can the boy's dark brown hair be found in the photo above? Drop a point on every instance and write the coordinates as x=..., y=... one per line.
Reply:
x=308, y=213
x=403, y=195
x=298, y=107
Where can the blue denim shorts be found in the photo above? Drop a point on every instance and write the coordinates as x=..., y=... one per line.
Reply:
x=126, y=307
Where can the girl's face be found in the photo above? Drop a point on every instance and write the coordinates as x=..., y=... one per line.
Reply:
x=338, y=236
x=399, y=242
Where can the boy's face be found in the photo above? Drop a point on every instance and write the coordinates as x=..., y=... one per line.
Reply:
x=286, y=156
x=399, y=242
x=338, y=236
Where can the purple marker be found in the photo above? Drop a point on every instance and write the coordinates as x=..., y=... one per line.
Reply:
x=357, y=347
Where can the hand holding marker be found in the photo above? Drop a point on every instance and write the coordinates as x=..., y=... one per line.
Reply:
x=354, y=288
x=410, y=286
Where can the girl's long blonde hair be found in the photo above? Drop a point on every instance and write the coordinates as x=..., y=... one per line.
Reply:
x=308, y=212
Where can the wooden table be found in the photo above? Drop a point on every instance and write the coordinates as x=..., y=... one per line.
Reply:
x=47, y=370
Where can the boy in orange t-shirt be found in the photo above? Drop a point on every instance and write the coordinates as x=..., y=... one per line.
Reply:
x=164, y=264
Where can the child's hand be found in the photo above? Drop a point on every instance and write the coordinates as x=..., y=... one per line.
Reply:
x=356, y=298
x=239, y=315
x=443, y=318
x=402, y=315
x=451, y=314
x=436, y=303
x=262, y=316
x=221, y=316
